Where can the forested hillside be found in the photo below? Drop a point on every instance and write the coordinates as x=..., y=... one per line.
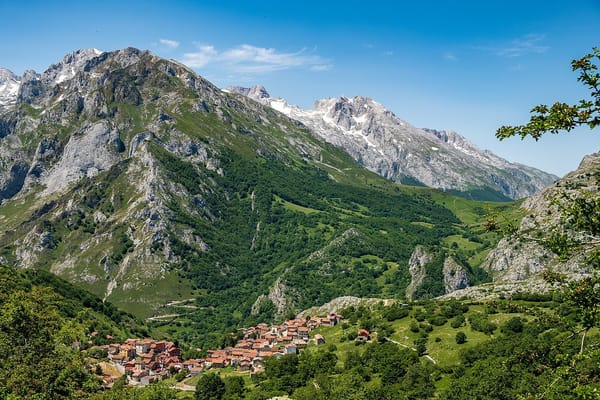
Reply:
x=45, y=322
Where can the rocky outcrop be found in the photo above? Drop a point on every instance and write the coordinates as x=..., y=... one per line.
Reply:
x=281, y=295
x=335, y=243
x=9, y=87
x=339, y=303
x=455, y=276
x=391, y=147
x=416, y=267
x=91, y=150
x=513, y=260
x=12, y=182
x=526, y=253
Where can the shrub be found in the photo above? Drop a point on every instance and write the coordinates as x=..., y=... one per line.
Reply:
x=414, y=327
x=457, y=321
x=514, y=325
x=480, y=323
x=437, y=320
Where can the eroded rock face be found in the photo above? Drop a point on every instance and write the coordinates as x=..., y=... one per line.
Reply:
x=416, y=266
x=281, y=295
x=513, y=261
x=455, y=276
x=13, y=180
x=88, y=152
x=524, y=256
x=9, y=87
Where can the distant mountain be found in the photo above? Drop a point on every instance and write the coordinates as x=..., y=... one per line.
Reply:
x=398, y=151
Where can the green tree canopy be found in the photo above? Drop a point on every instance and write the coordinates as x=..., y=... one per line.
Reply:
x=210, y=387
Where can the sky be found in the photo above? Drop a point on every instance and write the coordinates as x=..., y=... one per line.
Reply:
x=467, y=66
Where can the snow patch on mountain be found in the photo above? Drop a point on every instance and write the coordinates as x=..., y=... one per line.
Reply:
x=70, y=65
x=9, y=87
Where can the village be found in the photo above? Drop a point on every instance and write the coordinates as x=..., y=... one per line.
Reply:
x=144, y=361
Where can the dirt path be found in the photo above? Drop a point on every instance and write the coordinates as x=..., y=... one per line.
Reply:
x=427, y=356
x=158, y=317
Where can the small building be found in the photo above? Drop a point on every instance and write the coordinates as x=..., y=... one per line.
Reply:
x=303, y=332
x=363, y=335
x=291, y=349
x=138, y=375
x=319, y=339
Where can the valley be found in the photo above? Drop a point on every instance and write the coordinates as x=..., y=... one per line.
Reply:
x=138, y=200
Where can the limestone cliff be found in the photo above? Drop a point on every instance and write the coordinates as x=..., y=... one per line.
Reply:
x=416, y=267
x=455, y=276
x=549, y=220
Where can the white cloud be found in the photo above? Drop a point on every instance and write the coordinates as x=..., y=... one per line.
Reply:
x=200, y=58
x=172, y=44
x=528, y=44
x=251, y=59
x=449, y=56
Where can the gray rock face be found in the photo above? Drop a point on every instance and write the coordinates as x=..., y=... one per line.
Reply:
x=455, y=276
x=513, y=261
x=394, y=149
x=70, y=65
x=91, y=150
x=9, y=87
x=280, y=295
x=12, y=182
x=523, y=256
x=416, y=267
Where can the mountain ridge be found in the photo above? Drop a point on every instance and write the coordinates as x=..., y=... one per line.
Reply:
x=396, y=150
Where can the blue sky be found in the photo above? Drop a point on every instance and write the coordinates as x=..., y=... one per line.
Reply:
x=469, y=67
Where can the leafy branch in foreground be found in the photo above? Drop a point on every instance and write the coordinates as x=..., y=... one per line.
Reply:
x=579, y=230
x=562, y=116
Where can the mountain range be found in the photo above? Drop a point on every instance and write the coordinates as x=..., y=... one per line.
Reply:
x=385, y=144
x=133, y=177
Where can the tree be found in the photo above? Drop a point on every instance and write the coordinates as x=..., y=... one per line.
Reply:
x=210, y=386
x=35, y=347
x=234, y=387
x=562, y=116
x=461, y=337
x=581, y=211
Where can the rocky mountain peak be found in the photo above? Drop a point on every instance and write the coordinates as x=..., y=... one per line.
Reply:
x=9, y=87
x=391, y=147
x=6, y=74
x=69, y=65
x=257, y=92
